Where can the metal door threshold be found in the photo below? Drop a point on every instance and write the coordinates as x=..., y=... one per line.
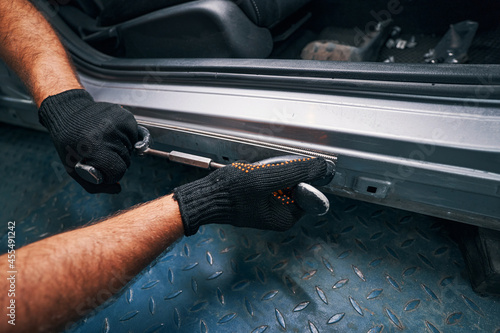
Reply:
x=436, y=156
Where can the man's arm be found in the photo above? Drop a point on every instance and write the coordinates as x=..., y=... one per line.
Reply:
x=101, y=135
x=64, y=276
x=31, y=48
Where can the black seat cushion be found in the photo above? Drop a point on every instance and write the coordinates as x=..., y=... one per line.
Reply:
x=118, y=11
x=264, y=13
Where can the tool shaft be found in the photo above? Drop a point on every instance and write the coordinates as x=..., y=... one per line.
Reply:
x=184, y=158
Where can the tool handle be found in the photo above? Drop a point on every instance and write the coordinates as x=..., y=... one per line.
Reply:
x=89, y=173
x=142, y=145
x=308, y=197
x=94, y=176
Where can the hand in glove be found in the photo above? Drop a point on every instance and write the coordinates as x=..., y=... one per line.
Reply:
x=248, y=195
x=101, y=135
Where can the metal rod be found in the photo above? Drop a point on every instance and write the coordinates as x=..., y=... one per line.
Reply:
x=184, y=158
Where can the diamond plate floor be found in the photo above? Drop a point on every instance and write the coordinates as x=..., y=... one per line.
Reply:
x=362, y=268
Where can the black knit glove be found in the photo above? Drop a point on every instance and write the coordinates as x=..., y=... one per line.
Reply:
x=247, y=195
x=101, y=135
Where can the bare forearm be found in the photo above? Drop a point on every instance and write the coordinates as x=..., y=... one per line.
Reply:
x=31, y=48
x=62, y=277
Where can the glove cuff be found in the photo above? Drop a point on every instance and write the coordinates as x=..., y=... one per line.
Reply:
x=202, y=202
x=54, y=109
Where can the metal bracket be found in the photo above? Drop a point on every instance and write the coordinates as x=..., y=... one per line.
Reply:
x=373, y=187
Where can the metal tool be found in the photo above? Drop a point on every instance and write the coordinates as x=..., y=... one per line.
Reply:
x=142, y=148
x=94, y=176
x=309, y=198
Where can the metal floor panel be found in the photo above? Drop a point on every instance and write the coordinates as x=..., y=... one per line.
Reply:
x=362, y=268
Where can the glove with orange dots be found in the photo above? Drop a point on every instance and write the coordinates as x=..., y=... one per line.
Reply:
x=258, y=196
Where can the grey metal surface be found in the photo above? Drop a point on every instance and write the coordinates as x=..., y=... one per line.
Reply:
x=438, y=156
x=430, y=155
x=360, y=268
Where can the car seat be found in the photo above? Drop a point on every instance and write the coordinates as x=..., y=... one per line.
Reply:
x=180, y=28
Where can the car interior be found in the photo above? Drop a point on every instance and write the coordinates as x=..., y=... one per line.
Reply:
x=401, y=31
x=364, y=80
x=402, y=95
